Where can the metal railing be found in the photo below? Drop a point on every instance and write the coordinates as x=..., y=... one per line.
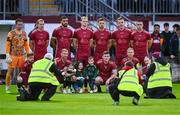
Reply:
x=127, y=7
x=104, y=7
x=93, y=11
x=10, y=8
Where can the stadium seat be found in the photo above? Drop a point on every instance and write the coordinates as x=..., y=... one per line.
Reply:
x=43, y=7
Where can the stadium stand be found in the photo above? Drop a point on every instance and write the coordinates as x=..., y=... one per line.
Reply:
x=44, y=7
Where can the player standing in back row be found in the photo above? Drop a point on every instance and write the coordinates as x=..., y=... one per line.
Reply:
x=83, y=36
x=140, y=42
x=62, y=38
x=122, y=37
x=39, y=40
x=15, y=45
x=102, y=40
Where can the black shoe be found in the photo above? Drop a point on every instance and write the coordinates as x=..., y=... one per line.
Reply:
x=45, y=100
x=170, y=95
x=99, y=89
x=135, y=101
x=146, y=97
x=22, y=96
x=18, y=98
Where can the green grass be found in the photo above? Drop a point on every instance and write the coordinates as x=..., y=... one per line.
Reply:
x=88, y=104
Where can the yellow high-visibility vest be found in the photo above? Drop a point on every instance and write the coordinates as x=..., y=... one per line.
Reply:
x=161, y=76
x=40, y=72
x=130, y=82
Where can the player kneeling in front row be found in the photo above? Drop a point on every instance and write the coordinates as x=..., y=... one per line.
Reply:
x=42, y=76
x=22, y=79
x=107, y=70
x=127, y=84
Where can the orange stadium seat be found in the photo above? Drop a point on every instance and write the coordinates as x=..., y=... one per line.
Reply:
x=44, y=7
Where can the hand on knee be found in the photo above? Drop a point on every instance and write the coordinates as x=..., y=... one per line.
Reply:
x=73, y=78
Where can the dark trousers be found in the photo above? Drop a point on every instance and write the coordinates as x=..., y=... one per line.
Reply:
x=20, y=87
x=177, y=59
x=35, y=89
x=78, y=84
x=115, y=93
x=160, y=92
x=67, y=83
x=130, y=94
x=90, y=82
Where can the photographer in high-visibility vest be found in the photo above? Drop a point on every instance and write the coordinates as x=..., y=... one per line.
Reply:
x=43, y=76
x=128, y=84
x=159, y=83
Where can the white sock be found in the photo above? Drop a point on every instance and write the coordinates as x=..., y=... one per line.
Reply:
x=7, y=88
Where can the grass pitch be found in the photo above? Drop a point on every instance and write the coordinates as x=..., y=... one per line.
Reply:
x=88, y=104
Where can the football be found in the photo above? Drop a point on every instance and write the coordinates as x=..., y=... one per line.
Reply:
x=19, y=79
x=99, y=80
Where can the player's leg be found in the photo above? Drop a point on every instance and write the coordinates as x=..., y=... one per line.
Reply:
x=9, y=73
x=99, y=81
x=85, y=59
x=20, y=82
x=97, y=57
x=119, y=57
x=8, y=79
x=69, y=54
x=21, y=79
x=20, y=62
x=141, y=58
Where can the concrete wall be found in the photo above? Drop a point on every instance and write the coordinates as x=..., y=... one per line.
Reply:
x=4, y=29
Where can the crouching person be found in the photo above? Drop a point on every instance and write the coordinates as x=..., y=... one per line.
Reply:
x=79, y=78
x=159, y=83
x=42, y=76
x=127, y=84
x=90, y=73
x=107, y=71
x=23, y=76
